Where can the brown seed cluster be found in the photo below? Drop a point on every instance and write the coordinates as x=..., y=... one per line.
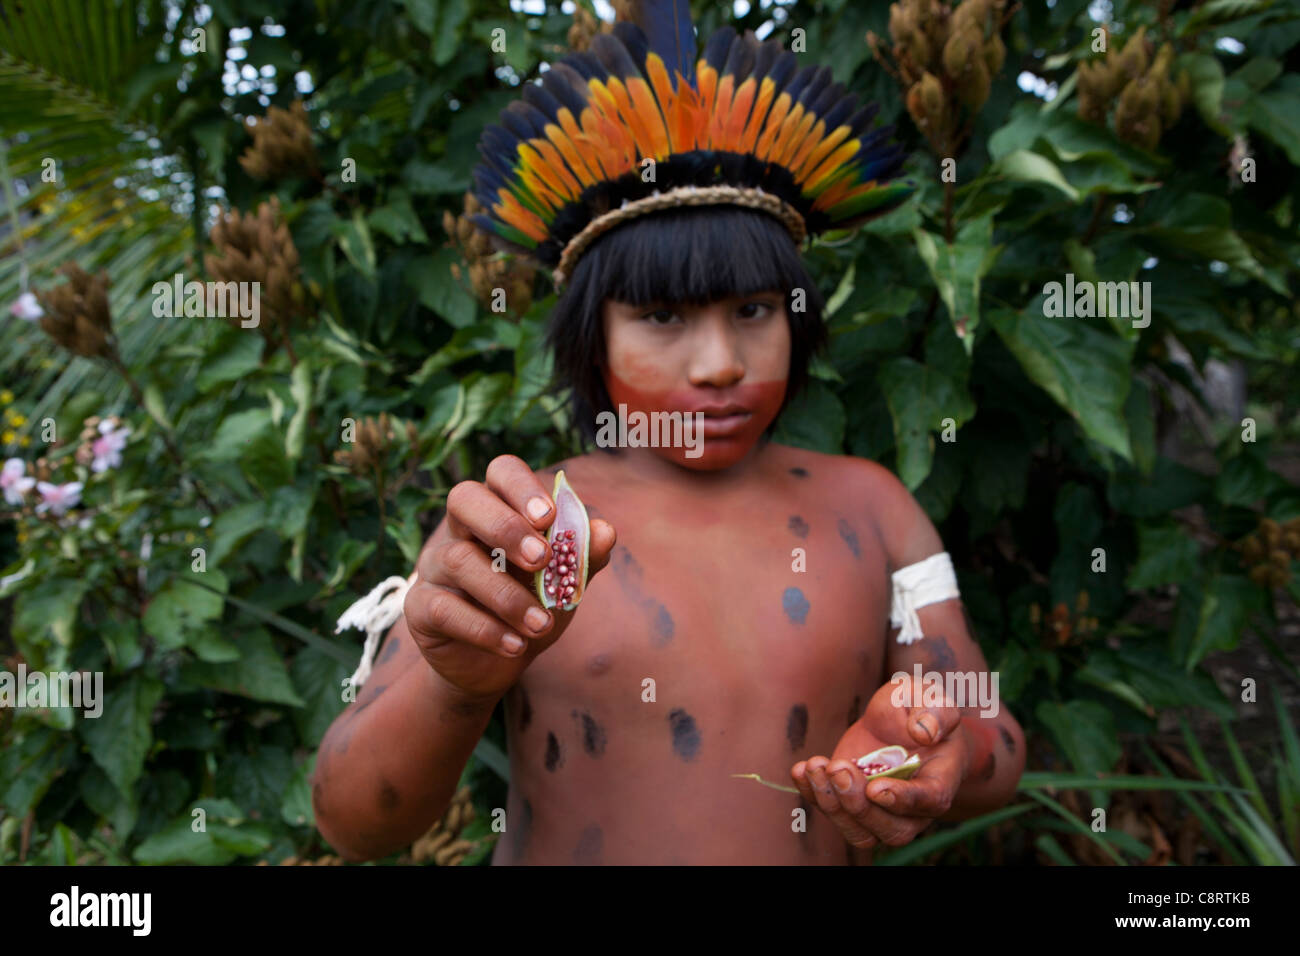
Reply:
x=282, y=145
x=1061, y=626
x=259, y=248
x=945, y=57
x=1268, y=551
x=1147, y=99
x=442, y=844
x=77, y=315
x=488, y=269
x=374, y=437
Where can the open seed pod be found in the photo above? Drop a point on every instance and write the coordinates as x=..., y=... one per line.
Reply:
x=892, y=761
x=562, y=582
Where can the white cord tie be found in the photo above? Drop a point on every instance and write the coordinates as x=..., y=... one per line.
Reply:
x=375, y=614
x=926, y=582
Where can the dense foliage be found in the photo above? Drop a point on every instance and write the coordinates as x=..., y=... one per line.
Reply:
x=271, y=476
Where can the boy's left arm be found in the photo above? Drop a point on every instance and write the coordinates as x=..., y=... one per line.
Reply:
x=971, y=764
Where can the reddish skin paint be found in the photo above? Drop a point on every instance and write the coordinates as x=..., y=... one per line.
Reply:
x=711, y=549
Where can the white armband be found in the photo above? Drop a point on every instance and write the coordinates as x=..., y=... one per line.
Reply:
x=926, y=582
x=375, y=613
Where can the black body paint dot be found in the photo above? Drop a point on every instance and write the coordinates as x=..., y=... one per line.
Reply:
x=992, y=767
x=554, y=755
x=795, y=604
x=799, y=472
x=796, y=726
x=798, y=526
x=525, y=710
x=390, y=649
x=593, y=735
x=855, y=711
x=1008, y=741
x=686, y=736
x=664, y=628
x=850, y=537
x=938, y=653
x=521, y=830
x=590, y=843
x=388, y=796
x=370, y=696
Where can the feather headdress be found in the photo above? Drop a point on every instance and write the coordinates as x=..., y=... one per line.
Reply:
x=635, y=124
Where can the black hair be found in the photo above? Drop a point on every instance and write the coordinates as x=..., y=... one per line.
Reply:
x=692, y=255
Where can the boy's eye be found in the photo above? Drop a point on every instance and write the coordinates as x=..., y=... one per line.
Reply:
x=659, y=316
x=754, y=310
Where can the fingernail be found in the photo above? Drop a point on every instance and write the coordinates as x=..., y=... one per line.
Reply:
x=536, y=618
x=843, y=780
x=927, y=723
x=886, y=797
x=512, y=644
x=533, y=548
x=537, y=508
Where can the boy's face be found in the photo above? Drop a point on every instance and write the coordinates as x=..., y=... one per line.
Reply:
x=729, y=359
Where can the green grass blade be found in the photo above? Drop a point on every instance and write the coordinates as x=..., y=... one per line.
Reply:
x=1078, y=826
x=1276, y=852
x=1043, y=781
x=1047, y=844
x=1244, y=773
x=494, y=757
x=945, y=838
x=1290, y=742
x=1288, y=798
x=1211, y=826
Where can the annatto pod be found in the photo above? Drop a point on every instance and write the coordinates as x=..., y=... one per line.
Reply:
x=889, y=762
x=561, y=583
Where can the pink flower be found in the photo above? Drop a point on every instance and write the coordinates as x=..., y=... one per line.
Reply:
x=58, y=498
x=107, y=448
x=13, y=482
x=26, y=307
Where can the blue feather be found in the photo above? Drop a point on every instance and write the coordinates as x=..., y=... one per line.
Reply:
x=669, y=32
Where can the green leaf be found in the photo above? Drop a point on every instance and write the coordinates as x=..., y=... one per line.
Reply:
x=1275, y=113
x=1022, y=165
x=398, y=221
x=956, y=270
x=814, y=420
x=1206, y=75
x=179, y=611
x=296, y=809
x=259, y=673
x=1085, y=371
x=235, y=355
x=451, y=16
x=29, y=767
x=257, y=781
x=105, y=799
x=920, y=397
x=120, y=738
x=233, y=526
x=318, y=678
x=236, y=433
x=1085, y=732
x=43, y=610
x=300, y=387
x=1167, y=554
x=1218, y=620
x=1246, y=479
x=439, y=292
x=354, y=239
x=179, y=842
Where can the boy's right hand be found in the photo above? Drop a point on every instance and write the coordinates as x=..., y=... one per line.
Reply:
x=460, y=611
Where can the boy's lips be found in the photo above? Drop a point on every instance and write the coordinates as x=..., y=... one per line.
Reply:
x=720, y=422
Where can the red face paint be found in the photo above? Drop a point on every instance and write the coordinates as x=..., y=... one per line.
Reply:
x=734, y=418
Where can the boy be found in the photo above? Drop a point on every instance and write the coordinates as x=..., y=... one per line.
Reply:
x=701, y=648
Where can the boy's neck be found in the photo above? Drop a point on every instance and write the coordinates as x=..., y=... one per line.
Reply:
x=651, y=467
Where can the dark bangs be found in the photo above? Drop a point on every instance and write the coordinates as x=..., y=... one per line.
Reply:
x=692, y=256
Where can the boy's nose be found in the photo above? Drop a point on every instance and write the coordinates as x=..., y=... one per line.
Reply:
x=715, y=356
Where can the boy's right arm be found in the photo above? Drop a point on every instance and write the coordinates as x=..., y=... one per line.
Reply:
x=389, y=765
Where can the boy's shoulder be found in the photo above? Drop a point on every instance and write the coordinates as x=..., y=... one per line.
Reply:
x=870, y=489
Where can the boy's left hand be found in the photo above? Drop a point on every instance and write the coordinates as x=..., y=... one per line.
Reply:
x=889, y=810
